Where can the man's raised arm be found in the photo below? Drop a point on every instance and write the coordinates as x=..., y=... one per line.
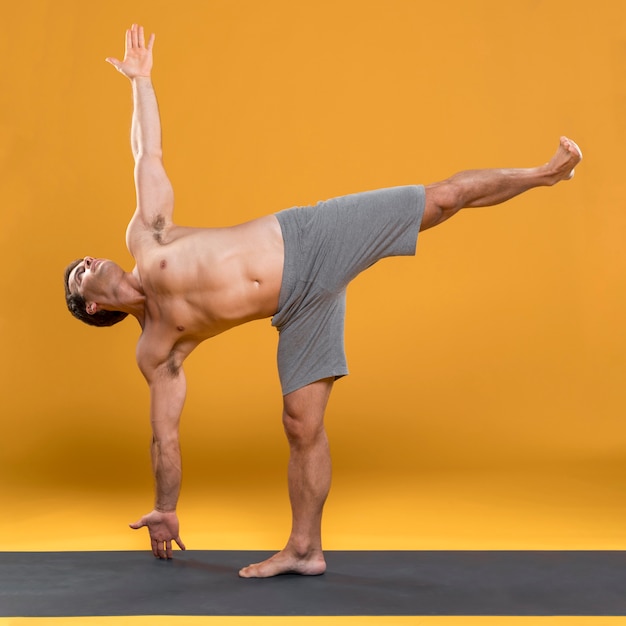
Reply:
x=155, y=197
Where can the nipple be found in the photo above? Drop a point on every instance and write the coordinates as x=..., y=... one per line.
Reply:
x=180, y=328
x=163, y=264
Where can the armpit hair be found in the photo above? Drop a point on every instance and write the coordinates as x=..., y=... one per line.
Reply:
x=157, y=226
x=173, y=366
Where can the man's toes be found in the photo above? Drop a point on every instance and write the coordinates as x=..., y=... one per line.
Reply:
x=571, y=147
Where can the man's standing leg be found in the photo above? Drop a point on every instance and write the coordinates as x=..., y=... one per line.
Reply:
x=309, y=482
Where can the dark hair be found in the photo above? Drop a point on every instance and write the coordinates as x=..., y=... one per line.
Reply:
x=77, y=305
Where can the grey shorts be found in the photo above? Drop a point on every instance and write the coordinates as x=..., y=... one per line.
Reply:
x=326, y=246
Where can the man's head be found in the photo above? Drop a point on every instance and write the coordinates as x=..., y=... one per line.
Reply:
x=84, y=280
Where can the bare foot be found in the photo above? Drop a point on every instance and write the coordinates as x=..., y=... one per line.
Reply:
x=285, y=562
x=562, y=164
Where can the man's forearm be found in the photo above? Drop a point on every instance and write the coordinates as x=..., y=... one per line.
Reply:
x=167, y=395
x=146, y=125
x=167, y=468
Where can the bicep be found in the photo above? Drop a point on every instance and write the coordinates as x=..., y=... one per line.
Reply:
x=155, y=195
x=167, y=397
x=168, y=388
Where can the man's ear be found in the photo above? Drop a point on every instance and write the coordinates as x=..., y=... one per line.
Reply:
x=91, y=308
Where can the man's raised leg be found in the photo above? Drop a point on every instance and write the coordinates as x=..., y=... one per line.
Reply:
x=309, y=482
x=476, y=188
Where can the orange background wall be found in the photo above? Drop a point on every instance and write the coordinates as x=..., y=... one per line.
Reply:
x=502, y=344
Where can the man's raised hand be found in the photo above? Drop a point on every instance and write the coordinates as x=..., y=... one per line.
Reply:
x=137, y=55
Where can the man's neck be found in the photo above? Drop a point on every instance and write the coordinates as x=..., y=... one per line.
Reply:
x=128, y=297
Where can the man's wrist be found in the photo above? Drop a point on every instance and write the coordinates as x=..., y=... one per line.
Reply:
x=165, y=510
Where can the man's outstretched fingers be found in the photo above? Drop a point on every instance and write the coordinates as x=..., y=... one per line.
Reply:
x=138, y=524
x=155, y=548
x=114, y=62
x=129, y=40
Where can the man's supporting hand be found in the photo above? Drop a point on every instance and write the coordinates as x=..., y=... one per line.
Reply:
x=163, y=529
x=137, y=55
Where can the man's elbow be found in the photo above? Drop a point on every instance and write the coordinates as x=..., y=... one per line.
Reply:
x=147, y=154
x=166, y=441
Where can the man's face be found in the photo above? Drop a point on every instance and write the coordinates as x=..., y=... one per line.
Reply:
x=94, y=279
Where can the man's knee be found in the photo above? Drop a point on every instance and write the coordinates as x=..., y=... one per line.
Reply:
x=443, y=200
x=303, y=412
x=302, y=429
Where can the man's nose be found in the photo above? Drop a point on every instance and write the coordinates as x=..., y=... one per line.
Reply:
x=88, y=261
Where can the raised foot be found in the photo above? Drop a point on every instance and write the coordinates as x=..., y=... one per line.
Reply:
x=286, y=563
x=562, y=164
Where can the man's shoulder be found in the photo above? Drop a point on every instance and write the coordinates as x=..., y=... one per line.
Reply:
x=153, y=347
x=162, y=346
x=143, y=234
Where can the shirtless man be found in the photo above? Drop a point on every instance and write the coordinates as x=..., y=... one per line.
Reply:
x=190, y=284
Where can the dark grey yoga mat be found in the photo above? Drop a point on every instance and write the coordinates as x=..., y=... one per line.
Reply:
x=54, y=584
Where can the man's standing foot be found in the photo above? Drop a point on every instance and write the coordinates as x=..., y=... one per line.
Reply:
x=286, y=562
